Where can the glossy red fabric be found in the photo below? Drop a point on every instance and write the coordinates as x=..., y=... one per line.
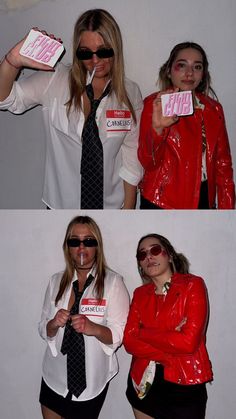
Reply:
x=173, y=161
x=152, y=333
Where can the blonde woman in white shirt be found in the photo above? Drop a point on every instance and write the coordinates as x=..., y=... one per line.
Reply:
x=62, y=94
x=101, y=317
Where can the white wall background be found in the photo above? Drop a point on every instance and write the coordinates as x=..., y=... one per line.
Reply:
x=150, y=29
x=30, y=252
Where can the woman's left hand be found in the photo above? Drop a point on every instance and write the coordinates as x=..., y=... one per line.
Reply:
x=82, y=324
x=159, y=122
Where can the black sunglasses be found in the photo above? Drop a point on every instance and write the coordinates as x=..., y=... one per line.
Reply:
x=85, y=54
x=89, y=242
x=154, y=251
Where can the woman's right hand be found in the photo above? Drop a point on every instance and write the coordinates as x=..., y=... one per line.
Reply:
x=159, y=122
x=19, y=61
x=59, y=320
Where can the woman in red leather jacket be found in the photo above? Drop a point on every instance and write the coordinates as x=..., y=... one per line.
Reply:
x=166, y=334
x=186, y=159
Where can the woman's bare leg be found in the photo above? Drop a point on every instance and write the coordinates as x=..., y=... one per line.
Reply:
x=141, y=415
x=49, y=414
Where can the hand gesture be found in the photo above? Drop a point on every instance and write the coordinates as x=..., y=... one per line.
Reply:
x=159, y=122
x=61, y=318
x=18, y=61
x=83, y=325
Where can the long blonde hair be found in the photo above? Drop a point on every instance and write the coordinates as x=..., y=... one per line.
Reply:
x=99, y=258
x=100, y=21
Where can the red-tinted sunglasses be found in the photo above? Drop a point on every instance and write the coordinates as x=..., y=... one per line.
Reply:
x=155, y=250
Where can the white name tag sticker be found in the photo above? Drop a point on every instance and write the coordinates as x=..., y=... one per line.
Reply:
x=41, y=48
x=179, y=103
x=118, y=120
x=93, y=307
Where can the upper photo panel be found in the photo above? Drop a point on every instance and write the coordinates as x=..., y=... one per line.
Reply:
x=98, y=114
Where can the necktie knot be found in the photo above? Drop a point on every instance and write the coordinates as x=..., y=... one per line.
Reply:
x=95, y=102
x=90, y=92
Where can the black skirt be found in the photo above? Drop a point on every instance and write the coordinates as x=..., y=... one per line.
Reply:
x=166, y=400
x=68, y=408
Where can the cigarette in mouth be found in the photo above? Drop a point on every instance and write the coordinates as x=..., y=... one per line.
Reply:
x=92, y=76
x=81, y=259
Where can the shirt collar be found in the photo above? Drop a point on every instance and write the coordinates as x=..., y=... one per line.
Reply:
x=92, y=272
x=88, y=78
x=199, y=104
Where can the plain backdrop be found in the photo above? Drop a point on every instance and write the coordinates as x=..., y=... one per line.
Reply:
x=31, y=251
x=150, y=29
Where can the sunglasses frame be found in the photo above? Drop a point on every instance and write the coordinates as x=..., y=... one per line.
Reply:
x=88, y=242
x=151, y=251
x=100, y=53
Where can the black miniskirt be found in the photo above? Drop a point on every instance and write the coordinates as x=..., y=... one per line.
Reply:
x=166, y=400
x=70, y=409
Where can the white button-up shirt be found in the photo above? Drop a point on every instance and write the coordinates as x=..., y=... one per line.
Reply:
x=64, y=147
x=101, y=361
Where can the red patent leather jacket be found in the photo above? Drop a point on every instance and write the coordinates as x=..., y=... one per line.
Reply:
x=173, y=161
x=174, y=336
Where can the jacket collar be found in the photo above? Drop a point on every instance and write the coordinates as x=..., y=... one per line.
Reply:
x=178, y=281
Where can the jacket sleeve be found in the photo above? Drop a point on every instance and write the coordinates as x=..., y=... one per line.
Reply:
x=188, y=337
x=132, y=342
x=151, y=145
x=224, y=175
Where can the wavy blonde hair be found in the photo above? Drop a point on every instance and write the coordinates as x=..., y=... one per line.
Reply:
x=101, y=265
x=100, y=21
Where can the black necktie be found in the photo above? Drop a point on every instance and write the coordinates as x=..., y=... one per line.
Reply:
x=92, y=156
x=73, y=346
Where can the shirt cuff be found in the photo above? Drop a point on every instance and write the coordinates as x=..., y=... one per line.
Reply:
x=52, y=345
x=110, y=349
x=5, y=104
x=130, y=177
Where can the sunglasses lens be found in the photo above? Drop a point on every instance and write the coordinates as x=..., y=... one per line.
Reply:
x=90, y=242
x=73, y=242
x=156, y=250
x=141, y=255
x=105, y=53
x=84, y=54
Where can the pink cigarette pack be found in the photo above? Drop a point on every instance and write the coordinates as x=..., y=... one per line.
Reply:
x=41, y=48
x=179, y=103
